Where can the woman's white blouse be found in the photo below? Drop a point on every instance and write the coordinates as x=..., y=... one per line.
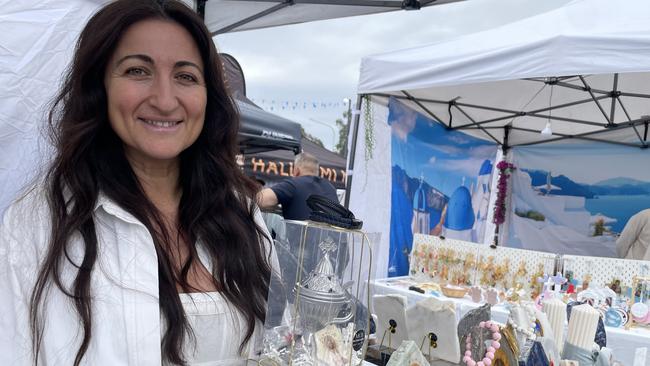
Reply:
x=126, y=320
x=218, y=330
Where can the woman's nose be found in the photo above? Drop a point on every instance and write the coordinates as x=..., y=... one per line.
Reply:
x=163, y=95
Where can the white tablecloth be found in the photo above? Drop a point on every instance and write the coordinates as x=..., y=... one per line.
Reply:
x=624, y=343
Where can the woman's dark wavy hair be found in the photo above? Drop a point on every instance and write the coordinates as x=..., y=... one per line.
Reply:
x=217, y=203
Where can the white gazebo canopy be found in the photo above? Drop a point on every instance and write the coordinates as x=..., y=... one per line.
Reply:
x=582, y=68
x=223, y=16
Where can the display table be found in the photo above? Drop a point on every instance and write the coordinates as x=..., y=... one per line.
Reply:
x=624, y=343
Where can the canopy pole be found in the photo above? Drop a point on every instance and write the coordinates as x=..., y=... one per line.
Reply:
x=575, y=137
x=414, y=100
x=620, y=102
x=353, y=151
x=614, y=94
x=600, y=107
x=581, y=135
x=200, y=8
x=474, y=122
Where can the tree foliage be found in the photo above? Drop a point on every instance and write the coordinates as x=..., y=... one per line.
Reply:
x=311, y=137
x=343, y=126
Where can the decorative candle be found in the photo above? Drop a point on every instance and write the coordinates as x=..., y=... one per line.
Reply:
x=555, y=310
x=582, y=326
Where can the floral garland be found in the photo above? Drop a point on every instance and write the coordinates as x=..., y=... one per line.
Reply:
x=502, y=188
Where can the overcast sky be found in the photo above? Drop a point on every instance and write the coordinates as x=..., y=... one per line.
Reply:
x=298, y=65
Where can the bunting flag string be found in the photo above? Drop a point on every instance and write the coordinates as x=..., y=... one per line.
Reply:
x=277, y=105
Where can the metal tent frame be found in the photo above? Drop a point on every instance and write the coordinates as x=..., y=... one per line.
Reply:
x=606, y=124
x=281, y=12
x=609, y=122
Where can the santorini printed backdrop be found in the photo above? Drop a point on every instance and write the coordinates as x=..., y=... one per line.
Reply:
x=576, y=198
x=440, y=183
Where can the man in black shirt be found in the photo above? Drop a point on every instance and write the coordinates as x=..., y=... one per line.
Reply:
x=292, y=193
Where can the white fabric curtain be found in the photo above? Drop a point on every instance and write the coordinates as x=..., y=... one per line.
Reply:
x=37, y=39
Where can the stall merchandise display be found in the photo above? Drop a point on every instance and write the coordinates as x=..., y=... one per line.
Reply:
x=512, y=275
x=622, y=343
x=392, y=328
x=407, y=354
x=502, y=273
x=314, y=315
x=494, y=344
x=582, y=326
x=538, y=290
x=432, y=323
x=555, y=310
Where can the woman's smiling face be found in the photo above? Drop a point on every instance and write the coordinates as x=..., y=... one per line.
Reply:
x=156, y=91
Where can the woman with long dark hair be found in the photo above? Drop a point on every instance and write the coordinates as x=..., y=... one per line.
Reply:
x=143, y=244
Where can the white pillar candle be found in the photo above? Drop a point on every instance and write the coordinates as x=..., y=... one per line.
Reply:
x=555, y=310
x=582, y=326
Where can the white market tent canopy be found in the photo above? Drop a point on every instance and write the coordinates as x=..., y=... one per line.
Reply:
x=223, y=16
x=583, y=67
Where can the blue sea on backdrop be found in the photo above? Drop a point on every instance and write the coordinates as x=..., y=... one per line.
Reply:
x=575, y=198
x=618, y=207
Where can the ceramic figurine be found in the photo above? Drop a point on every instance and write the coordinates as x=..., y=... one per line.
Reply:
x=492, y=296
x=476, y=293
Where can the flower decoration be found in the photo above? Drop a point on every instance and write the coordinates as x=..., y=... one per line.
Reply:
x=502, y=188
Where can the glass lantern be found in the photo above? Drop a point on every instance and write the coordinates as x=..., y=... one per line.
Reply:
x=315, y=315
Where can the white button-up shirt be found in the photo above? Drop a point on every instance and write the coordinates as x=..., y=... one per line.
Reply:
x=126, y=319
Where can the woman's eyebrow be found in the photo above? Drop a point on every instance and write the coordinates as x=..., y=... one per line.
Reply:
x=144, y=58
x=187, y=63
x=149, y=60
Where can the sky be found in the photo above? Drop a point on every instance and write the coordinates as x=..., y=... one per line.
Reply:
x=310, y=68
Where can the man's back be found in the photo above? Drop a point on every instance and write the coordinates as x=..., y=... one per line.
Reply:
x=292, y=194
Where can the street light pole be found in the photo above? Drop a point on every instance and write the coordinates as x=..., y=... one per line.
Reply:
x=328, y=126
x=349, y=102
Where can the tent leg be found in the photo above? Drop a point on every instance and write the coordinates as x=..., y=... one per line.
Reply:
x=353, y=150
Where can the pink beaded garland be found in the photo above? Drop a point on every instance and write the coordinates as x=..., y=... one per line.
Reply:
x=489, y=354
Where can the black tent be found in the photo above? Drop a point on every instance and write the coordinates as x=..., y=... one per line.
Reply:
x=274, y=166
x=264, y=131
x=259, y=130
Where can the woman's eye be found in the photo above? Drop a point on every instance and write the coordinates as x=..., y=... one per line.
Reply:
x=136, y=71
x=187, y=78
